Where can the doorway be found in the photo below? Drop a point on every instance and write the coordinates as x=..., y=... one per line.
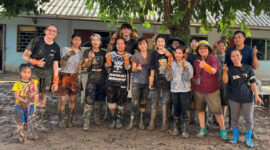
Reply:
x=2, y=32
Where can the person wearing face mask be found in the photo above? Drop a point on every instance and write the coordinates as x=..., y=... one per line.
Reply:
x=94, y=60
x=69, y=78
x=160, y=60
x=130, y=37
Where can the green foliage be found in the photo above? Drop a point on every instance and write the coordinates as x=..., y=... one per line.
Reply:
x=13, y=8
x=223, y=12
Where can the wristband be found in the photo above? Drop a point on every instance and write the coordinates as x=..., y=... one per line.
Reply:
x=208, y=68
x=126, y=59
x=108, y=61
x=55, y=80
x=34, y=62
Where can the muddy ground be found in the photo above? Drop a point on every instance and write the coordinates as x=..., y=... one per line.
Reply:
x=100, y=137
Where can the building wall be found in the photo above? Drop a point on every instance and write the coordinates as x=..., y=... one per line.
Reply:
x=66, y=28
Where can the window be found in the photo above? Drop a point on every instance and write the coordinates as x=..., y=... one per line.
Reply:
x=105, y=35
x=26, y=33
x=260, y=44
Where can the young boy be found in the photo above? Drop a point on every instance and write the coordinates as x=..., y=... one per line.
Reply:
x=25, y=91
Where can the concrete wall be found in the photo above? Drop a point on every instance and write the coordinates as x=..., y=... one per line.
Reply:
x=66, y=28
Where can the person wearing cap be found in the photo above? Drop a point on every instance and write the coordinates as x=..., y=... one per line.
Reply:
x=69, y=79
x=206, y=91
x=94, y=60
x=248, y=53
x=129, y=36
x=174, y=43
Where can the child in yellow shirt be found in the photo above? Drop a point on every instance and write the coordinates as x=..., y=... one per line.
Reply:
x=25, y=91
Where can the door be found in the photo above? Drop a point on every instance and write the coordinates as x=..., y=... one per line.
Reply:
x=2, y=47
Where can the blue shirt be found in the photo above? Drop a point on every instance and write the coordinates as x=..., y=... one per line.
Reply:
x=246, y=52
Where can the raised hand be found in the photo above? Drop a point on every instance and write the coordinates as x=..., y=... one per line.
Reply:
x=255, y=51
x=225, y=67
x=108, y=59
x=184, y=64
x=91, y=55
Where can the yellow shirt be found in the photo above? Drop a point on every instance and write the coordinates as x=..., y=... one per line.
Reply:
x=24, y=89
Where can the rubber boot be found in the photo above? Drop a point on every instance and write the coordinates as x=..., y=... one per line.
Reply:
x=113, y=124
x=97, y=113
x=223, y=134
x=141, y=124
x=151, y=126
x=31, y=129
x=86, y=116
x=175, y=126
x=184, y=127
x=164, y=126
x=61, y=117
x=248, y=139
x=235, y=138
x=70, y=117
x=202, y=132
x=120, y=112
x=131, y=124
x=39, y=116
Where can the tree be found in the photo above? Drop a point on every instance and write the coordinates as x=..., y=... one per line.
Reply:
x=175, y=15
x=13, y=8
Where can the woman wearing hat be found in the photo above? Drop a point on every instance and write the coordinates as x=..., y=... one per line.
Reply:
x=207, y=87
x=94, y=61
x=174, y=43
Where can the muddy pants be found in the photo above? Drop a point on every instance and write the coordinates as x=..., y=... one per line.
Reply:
x=159, y=94
x=139, y=96
x=181, y=102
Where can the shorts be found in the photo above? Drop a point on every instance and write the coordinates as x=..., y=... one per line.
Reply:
x=67, y=84
x=24, y=115
x=211, y=99
x=44, y=76
x=94, y=92
x=116, y=95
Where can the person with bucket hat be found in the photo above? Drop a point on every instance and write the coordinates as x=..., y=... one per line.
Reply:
x=175, y=42
x=206, y=90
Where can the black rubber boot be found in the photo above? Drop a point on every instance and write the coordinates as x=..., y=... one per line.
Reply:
x=141, y=124
x=175, y=126
x=70, y=118
x=164, y=126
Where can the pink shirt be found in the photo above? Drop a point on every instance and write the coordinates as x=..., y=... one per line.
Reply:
x=209, y=83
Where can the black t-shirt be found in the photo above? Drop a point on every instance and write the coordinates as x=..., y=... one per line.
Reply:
x=96, y=72
x=117, y=73
x=41, y=50
x=239, y=89
x=158, y=62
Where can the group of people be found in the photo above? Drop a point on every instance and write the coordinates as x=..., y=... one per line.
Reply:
x=197, y=77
